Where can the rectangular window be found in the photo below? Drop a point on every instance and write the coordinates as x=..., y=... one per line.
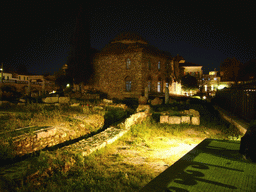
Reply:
x=159, y=65
x=7, y=77
x=128, y=86
x=159, y=86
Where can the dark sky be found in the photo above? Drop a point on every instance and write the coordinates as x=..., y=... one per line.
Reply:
x=37, y=33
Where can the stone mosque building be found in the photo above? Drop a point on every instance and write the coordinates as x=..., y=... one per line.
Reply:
x=128, y=64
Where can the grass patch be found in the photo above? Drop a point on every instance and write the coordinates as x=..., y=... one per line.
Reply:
x=127, y=164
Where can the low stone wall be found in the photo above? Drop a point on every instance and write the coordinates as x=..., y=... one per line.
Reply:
x=110, y=135
x=31, y=142
x=190, y=117
x=180, y=120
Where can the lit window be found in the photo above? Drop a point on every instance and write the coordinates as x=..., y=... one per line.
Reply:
x=159, y=86
x=205, y=87
x=128, y=86
x=159, y=65
x=128, y=63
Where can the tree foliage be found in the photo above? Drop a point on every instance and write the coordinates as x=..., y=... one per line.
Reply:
x=230, y=69
x=189, y=82
x=62, y=79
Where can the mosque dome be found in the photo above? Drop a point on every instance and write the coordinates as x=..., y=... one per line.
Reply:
x=128, y=38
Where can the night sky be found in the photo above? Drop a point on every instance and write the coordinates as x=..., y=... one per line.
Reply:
x=37, y=33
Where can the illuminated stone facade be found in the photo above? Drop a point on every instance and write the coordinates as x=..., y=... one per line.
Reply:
x=128, y=64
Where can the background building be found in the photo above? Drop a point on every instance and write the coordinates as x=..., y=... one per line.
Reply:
x=128, y=64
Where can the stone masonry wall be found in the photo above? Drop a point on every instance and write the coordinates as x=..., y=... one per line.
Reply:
x=28, y=143
x=190, y=117
x=110, y=74
x=110, y=135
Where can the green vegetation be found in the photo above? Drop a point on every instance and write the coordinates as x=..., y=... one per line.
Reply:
x=126, y=165
x=18, y=120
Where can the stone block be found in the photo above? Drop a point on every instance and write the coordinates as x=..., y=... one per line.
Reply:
x=142, y=108
x=64, y=100
x=107, y=101
x=164, y=119
x=45, y=133
x=21, y=104
x=51, y=100
x=143, y=100
x=195, y=120
x=185, y=119
x=156, y=101
x=75, y=105
x=174, y=120
x=194, y=112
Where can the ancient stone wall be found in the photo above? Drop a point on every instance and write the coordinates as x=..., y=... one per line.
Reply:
x=52, y=136
x=187, y=117
x=31, y=142
x=110, y=135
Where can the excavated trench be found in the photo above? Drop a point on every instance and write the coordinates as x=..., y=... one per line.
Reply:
x=109, y=120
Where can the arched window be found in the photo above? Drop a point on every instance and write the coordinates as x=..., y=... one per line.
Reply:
x=159, y=65
x=128, y=84
x=128, y=63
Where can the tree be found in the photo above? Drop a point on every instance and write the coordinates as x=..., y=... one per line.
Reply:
x=62, y=79
x=230, y=69
x=248, y=71
x=79, y=59
x=189, y=82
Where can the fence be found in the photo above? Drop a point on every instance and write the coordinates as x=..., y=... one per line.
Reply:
x=239, y=101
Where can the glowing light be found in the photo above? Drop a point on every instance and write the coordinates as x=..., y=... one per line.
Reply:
x=204, y=97
x=221, y=87
x=68, y=85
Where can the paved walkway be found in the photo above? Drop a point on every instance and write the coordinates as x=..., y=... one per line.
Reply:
x=214, y=165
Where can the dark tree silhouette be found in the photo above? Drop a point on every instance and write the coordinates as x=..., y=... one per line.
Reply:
x=79, y=59
x=248, y=71
x=230, y=68
x=189, y=82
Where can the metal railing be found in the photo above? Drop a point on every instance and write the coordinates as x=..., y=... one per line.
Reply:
x=240, y=101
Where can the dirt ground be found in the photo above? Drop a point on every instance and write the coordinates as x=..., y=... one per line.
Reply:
x=158, y=159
